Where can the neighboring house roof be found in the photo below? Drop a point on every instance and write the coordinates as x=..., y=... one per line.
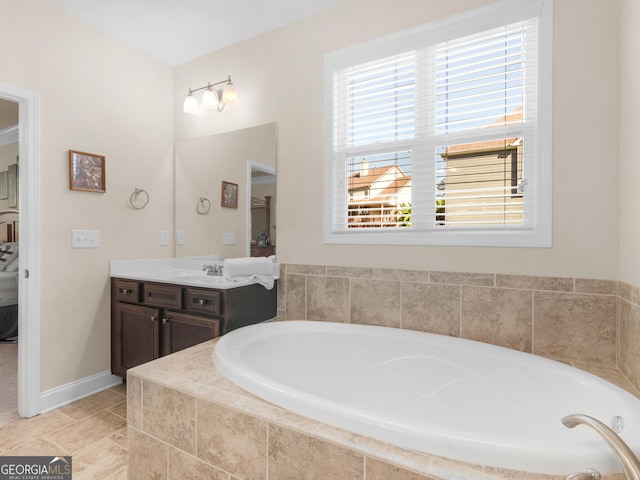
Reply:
x=478, y=147
x=395, y=186
x=357, y=181
x=381, y=189
x=490, y=145
x=513, y=117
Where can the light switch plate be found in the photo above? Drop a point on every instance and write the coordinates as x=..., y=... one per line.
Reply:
x=85, y=238
x=180, y=238
x=229, y=238
x=164, y=237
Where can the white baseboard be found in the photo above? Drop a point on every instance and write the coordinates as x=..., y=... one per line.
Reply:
x=64, y=394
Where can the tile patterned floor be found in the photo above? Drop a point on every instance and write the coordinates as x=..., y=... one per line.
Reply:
x=92, y=430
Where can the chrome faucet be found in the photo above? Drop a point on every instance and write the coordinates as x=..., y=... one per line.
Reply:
x=212, y=269
x=628, y=460
x=590, y=474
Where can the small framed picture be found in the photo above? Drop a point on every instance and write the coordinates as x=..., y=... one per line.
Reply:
x=229, y=195
x=86, y=172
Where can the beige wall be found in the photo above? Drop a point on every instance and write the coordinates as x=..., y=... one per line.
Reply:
x=629, y=127
x=98, y=96
x=279, y=77
x=8, y=114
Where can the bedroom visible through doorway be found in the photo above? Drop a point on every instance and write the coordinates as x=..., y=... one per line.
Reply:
x=27, y=232
x=9, y=258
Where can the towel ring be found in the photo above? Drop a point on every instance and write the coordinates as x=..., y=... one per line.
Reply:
x=135, y=195
x=203, y=206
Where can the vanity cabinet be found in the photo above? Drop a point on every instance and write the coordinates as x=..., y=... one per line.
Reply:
x=136, y=331
x=150, y=320
x=262, y=250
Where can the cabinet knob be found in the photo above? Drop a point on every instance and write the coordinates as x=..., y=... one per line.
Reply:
x=164, y=321
x=153, y=319
x=126, y=291
x=202, y=301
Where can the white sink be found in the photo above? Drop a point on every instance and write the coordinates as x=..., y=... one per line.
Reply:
x=194, y=277
x=185, y=277
x=208, y=279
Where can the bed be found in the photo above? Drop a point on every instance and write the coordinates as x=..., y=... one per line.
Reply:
x=8, y=275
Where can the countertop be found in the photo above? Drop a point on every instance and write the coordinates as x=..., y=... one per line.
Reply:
x=178, y=271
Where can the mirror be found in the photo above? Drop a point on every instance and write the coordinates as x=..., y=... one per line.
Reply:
x=203, y=226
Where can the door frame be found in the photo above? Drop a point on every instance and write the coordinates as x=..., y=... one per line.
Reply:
x=29, y=403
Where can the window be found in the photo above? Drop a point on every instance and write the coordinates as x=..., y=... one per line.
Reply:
x=441, y=135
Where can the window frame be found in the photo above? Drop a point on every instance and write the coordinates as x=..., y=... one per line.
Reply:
x=497, y=14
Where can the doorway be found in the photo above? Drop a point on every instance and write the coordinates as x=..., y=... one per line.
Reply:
x=9, y=221
x=260, y=174
x=29, y=234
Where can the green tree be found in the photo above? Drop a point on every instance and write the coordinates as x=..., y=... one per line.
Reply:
x=440, y=211
x=404, y=214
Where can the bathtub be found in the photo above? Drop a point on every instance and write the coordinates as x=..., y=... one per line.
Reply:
x=440, y=395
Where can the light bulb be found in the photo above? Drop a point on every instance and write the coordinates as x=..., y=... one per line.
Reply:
x=229, y=94
x=210, y=98
x=190, y=104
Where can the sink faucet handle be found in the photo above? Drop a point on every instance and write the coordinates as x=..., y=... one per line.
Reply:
x=212, y=269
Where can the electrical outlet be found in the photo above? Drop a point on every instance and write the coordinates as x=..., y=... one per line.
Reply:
x=85, y=238
x=229, y=239
x=180, y=238
x=164, y=237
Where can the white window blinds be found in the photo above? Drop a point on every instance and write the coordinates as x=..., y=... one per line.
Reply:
x=485, y=98
x=374, y=122
x=439, y=142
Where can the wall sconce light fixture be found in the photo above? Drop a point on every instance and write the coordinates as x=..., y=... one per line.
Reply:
x=211, y=98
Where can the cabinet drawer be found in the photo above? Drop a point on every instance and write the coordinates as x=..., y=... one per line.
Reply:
x=125, y=291
x=202, y=301
x=162, y=295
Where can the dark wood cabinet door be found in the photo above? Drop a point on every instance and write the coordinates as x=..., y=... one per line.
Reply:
x=181, y=330
x=135, y=336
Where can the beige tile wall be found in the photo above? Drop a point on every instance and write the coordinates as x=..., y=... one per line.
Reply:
x=629, y=332
x=187, y=421
x=582, y=321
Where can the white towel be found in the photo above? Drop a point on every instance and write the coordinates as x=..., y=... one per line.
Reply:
x=258, y=269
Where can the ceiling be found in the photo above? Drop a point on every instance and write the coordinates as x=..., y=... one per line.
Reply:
x=176, y=31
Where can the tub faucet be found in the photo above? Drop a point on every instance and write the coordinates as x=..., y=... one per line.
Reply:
x=212, y=269
x=628, y=460
x=590, y=474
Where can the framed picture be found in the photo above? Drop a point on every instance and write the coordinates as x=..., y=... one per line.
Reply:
x=86, y=172
x=229, y=195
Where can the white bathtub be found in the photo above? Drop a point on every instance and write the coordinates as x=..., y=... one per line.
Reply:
x=445, y=396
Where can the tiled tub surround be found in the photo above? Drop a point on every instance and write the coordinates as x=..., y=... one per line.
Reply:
x=588, y=323
x=187, y=421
